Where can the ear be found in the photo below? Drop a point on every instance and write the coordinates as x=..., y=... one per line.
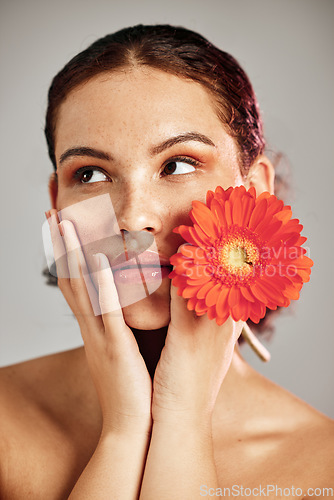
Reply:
x=53, y=189
x=261, y=175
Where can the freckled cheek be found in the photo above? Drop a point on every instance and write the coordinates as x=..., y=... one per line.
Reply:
x=96, y=226
x=177, y=213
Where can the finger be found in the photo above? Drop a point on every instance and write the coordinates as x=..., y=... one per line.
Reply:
x=81, y=285
x=58, y=245
x=59, y=257
x=111, y=310
x=187, y=321
x=181, y=318
x=122, y=340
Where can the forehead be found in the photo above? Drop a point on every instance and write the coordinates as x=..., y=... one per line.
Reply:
x=141, y=101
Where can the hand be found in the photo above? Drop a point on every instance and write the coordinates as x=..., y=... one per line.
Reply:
x=193, y=364
x=117, y=368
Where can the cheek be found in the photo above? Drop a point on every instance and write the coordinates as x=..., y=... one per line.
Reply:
x=178, y=213
x=96, y=227
x=94, y=218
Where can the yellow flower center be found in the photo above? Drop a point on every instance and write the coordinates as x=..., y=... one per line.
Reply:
x=237, y=257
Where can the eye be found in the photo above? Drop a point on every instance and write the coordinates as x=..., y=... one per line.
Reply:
x=89, y=175
x=179, y=166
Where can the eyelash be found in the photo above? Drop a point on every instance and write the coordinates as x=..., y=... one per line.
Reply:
x=185, y=159
x=77, y=174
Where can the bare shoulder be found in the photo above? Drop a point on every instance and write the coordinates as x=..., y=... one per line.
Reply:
x=44, y=406
x=43, y=385
x=287, y=441
x=30, y=389
x=37, y=379
x=317, y=437
x=39, y=366
x=305, y=436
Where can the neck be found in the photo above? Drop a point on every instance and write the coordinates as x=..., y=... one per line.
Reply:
x=150, y=343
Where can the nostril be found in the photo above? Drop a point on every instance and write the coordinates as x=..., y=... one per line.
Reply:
x=137, y=241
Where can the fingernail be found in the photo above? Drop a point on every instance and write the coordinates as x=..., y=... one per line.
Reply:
x=47, y=214
x=61, y=229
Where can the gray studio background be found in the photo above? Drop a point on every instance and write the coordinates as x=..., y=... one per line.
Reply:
x=286, y=47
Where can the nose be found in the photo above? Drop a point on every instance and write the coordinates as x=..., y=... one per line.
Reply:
x=138, y=210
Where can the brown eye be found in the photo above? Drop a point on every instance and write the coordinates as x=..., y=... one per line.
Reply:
x=89, y=175
x=86, y=176
x=170, y=167
x=179, y=166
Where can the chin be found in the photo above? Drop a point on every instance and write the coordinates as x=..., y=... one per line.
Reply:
x=150, y=313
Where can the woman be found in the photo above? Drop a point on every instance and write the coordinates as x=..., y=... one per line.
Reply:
x=159, y=403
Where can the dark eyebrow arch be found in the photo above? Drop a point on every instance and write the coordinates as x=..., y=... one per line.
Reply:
x=155, y=150
x=84, y=151
x=189, y=136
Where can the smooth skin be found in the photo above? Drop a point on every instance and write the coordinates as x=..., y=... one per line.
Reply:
x=90, y=423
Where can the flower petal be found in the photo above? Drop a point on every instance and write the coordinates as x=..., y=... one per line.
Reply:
x=237, y=214
x=252, y=192
x=284, y=216
x=220, y=320
x=218, y=209
x=228, y=213
x=258, y=214
x=191, y=303
x=190, y=291
x=202, y=292
x=212, y=296
x=267, y=230
x=201, y=235
x=209, y=197
x=205, y=219
x=272, y=294
x=246, y=293
x=258, y=293
x=234, y=296
x=222, y=302
x=212, y=312
x=248, y=204
x=201, y=307
x=198, y=281
x=291, y=292
x=185, y=232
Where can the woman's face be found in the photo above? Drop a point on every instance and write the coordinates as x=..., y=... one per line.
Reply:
x=155, y=144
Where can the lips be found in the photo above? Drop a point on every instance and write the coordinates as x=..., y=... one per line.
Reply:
x=147, y=267
x=134, y=260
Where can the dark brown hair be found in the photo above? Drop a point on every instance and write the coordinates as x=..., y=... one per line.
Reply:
x=178, y=51
x=175, y=50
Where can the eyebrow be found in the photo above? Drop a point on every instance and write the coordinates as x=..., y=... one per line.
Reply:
x=189, y=136
x=84, y=151
x=155, y=150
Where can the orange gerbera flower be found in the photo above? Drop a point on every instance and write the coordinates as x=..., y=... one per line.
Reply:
x=243, y=255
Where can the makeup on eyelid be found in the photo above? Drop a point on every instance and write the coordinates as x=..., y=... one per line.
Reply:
x=180, y=159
